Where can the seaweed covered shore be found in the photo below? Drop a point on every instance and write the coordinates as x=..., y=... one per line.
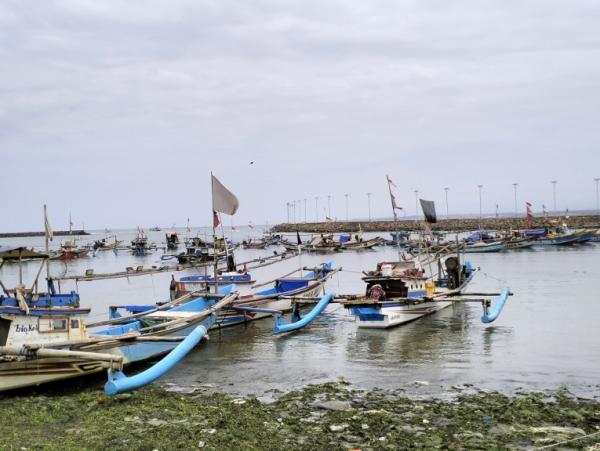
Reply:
x=326, y=416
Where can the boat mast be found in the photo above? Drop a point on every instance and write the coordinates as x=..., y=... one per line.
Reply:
x=214, y=215
x=395, y=215
x=46, y=234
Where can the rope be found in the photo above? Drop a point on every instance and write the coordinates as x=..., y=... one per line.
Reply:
x=502, y=281
x=569, y=441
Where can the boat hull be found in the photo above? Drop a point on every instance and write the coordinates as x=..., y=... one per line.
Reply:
x=395, y=314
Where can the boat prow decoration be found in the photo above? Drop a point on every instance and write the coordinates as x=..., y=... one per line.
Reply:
x=490, y=313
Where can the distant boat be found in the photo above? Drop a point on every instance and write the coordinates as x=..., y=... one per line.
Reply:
x=172, y=240
x=70, y=251
x=155, y=229
x=481, y=246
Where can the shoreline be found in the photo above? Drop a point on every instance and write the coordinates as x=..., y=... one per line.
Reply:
x=325, y=416
x=450, y=225
x=79, y=232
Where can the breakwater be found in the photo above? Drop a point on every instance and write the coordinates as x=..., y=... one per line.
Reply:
x=57, y=233
x=454, y=225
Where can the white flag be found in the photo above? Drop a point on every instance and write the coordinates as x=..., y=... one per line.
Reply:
x=47, y=227
x=224, y=201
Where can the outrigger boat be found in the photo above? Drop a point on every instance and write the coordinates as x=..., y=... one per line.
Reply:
x=399, y=292
x=44, y=338
x=481, y=246
x=327, y=243
x=272, y=300
x=102, y=245
x=139, y=245
x=70, y=251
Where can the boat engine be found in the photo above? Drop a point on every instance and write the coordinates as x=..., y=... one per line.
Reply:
x=453, y=269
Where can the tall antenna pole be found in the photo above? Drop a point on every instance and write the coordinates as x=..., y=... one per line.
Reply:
x=329, y=205
x=346, y=196
x=480, y=211
x=597, y=195
x=447, y=215
x=47, y=247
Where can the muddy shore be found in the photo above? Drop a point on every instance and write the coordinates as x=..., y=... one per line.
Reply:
x=454, y=225
x=327, y=416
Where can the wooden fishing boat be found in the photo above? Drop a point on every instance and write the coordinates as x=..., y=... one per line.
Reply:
x=269, y=301
x=139, y=245
x=103, y=245
x=520, y=243
x=70, y=251
x=200, y=282
x=399, y=292
x=482, y=246
x=328, y=244
x=43, y=337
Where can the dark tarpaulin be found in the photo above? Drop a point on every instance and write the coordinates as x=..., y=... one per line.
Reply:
x=428, y=207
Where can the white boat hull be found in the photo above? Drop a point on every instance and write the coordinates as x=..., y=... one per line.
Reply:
x=400, y=314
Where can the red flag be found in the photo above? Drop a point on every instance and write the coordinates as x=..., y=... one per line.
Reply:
x=216, y=221
x=529, y=218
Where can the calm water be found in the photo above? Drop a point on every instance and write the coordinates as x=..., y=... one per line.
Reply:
x=546, y=337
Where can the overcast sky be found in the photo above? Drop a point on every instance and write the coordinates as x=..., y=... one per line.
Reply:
x=118, y=111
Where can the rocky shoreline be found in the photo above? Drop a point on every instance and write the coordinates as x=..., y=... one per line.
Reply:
x=454, y=225
x=326, y=416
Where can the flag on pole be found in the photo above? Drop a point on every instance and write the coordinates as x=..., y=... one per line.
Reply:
x=47, y=228
x=390, y=181
x=223, y=200
x=529, y=218
x=428, y=207
x=216, y=221
x=394, y=204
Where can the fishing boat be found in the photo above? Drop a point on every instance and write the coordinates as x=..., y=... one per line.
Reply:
x=326, y=243
x=103, y=245
x=274, y=299
x=172, y=240
x=482, y=246
x=519, y=242
x=559, y=236
x=155, y=229
x=400, y=292
x=44, y=338
x=70, y=251
x=139, y=245
x=199, y=282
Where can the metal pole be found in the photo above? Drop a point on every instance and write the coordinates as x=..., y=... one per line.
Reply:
x=447, y=215
x=480, y=211
x=369, y=202
x=346, y=196
x=416, y=204
x=554, y=182
x=516, y=208
x=316, y=208
x=304, y=210
x=287, y=209
x=597, y=194
x=329, y=205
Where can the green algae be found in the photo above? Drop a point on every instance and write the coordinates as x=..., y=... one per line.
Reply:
x=154, y=419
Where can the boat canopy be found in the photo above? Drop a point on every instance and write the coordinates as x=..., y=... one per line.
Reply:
x=19, y=252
